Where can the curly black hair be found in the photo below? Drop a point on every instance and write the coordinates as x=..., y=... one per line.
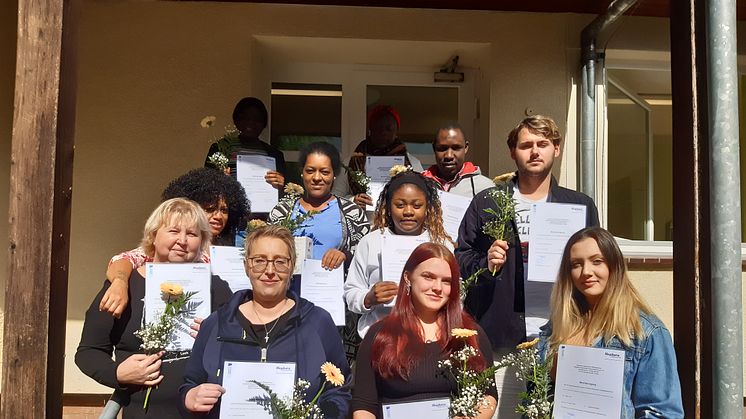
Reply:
x=433, y=214
x=206, y=186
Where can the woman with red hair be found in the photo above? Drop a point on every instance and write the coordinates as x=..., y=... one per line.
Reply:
x=398, y=359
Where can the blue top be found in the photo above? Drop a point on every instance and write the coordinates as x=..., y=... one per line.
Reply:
x=324, y=229
x=651, y=381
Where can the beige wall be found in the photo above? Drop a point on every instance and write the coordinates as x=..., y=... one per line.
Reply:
x=149, y=71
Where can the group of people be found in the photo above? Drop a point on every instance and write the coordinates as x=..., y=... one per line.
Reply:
x=397, y=328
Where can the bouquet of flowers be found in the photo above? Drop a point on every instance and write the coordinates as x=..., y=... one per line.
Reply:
x=472, y=385
x=254, y=224
x=296, y=406
x=292, y=193
x=157, y=335
x=360, y=181
x=219, y=159
x=536, y=403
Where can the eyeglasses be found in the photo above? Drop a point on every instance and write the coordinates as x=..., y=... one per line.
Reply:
x=259, y=264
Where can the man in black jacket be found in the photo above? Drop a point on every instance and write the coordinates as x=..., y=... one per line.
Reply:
x=507, y=306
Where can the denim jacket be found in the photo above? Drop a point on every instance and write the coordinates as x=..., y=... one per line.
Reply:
x=651, y=380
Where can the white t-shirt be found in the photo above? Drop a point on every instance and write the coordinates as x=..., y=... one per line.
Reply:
x=536, y=294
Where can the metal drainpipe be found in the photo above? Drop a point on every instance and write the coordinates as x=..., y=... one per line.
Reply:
x=725, y=209
x=588, y=38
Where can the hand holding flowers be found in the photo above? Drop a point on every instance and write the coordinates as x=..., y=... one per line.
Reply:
x=471, y=397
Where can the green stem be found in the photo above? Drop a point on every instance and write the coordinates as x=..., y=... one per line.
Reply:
x=313, y=402
x=147, y=398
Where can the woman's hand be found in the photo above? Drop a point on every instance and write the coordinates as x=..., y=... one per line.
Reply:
x=115, y=298
x=141, y=369
x=276, y=179
x=333, y=259
x=381, y=293
x=363, y=199
x=195, y=327
x=203, y=397
x=496, y=255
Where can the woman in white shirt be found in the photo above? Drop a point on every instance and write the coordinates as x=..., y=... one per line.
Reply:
x=409, y=206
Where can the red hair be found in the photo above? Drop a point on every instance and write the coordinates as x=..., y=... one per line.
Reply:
x=399, y=343
x=381, y=111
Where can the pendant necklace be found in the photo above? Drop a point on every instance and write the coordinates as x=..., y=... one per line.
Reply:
x=266, y=332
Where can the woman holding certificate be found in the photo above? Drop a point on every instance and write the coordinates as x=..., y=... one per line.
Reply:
x=337, y=225
x=409, y=206
x=265, y=325
x=398, y=362
x=594, y=304
x=224, y=202
x=176, y=232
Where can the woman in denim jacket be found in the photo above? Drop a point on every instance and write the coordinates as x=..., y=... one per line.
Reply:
x=595, y=304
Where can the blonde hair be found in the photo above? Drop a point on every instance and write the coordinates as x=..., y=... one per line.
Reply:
x=617, y=313
x=273, y=232
x=538, y=125
x=176, y=211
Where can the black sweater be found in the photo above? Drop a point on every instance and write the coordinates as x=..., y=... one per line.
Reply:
x=426, y=380
x=103, y=335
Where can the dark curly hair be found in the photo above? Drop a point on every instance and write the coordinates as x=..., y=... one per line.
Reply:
x=206, y=186
x=323, y=148
x=433, y=213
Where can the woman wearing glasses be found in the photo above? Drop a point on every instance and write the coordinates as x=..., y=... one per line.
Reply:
x=266, y=324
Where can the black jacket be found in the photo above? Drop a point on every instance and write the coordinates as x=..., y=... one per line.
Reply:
x=498, y=302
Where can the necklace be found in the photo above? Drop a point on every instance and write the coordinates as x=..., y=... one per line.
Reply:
x=266, y=332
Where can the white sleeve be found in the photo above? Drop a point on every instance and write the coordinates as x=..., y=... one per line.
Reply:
x=358, y=283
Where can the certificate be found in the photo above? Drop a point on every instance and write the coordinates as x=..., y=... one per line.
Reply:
x=193, y=277
x=589, y=383
x=244, y=399
x=377, y=168
x=250, y=171
x=552, y=224
x=395, y=250
x=324, y=288
x=430, y=409
x=227, y=262
x=454, y=207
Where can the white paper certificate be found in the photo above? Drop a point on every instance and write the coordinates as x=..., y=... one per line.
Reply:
x=193, y=277
x=430, y=409
x=395, y=250
x=227, y=263
x=589, y=383
x=250, y=171
x=240, y=398
x=552, y=224
x=324, y=288
x=377, y=168
x=454, y=207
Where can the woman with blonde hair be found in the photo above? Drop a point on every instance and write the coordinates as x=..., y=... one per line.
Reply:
x=595, y=304
x=176, y=232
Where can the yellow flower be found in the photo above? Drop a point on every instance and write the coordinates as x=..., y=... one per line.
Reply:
x=207, y=121
x=503, y=177
x=172, y=289
x=526, y=345
x=399, y=168
x=293, y=189
x=332, y=373
x=256, y=223
x=463, y=333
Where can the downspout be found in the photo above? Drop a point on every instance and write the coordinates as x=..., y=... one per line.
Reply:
x=725, y=208
x=589, y=57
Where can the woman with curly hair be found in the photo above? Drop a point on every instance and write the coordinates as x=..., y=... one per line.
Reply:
x=409, y=206
x=224, y=202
